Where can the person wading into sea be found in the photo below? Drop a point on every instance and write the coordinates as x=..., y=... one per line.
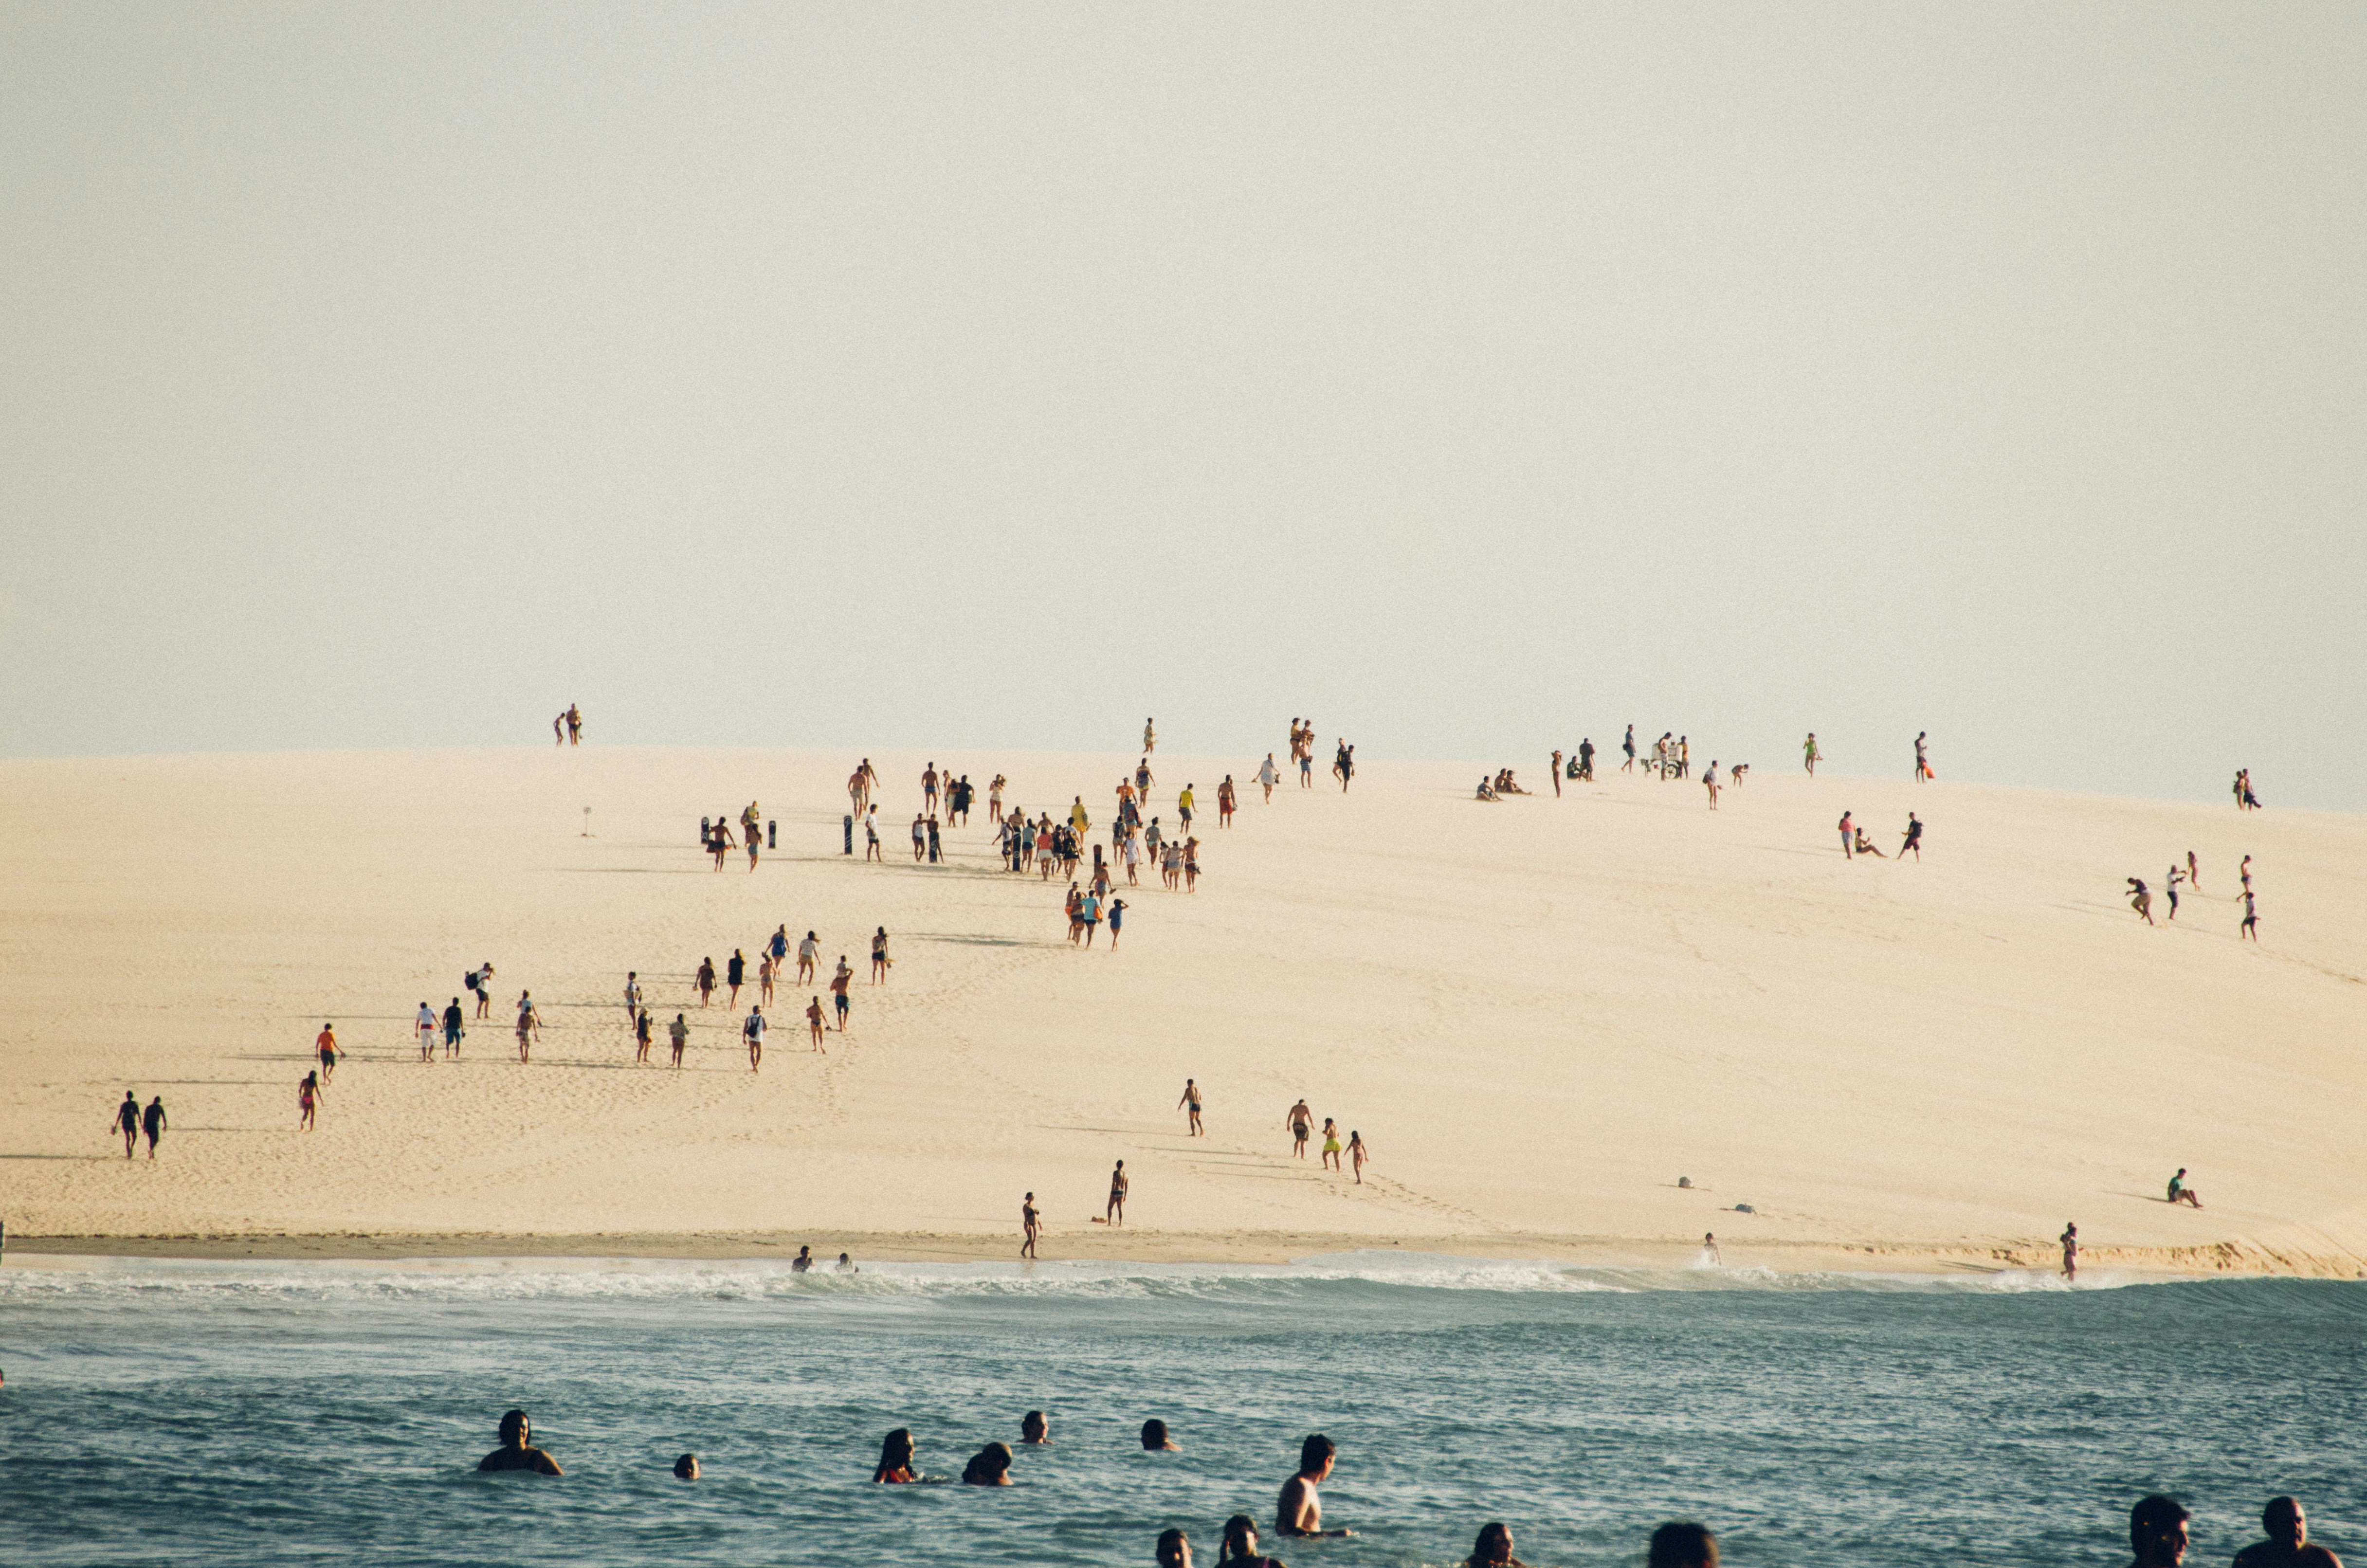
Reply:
x=1299, y=1510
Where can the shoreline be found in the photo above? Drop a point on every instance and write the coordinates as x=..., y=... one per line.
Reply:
x=2227, y=1259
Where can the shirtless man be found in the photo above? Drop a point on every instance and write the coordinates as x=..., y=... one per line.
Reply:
x=1191, y=1103
x=514, y=1453
x=929, y=786
x=126, y=1121
x=1031, y=1224
x=1301, y=1121
x=2288, y=1544
x=839, y=982
x=1114, y=1212
x=1299, y=1510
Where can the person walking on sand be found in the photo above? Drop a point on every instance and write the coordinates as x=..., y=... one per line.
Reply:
x=678, y=1032
x=1849, y=833
x=1031, y=1225
x=1117, y=919
x=126, y=1121
x=839, y=982
x=1628, y=745
x=308, y=1102
x=152, y=1122
x=719, y=842
x=1301, y=1121
x=2169, y=887
x=2140, y=899
x=484, y=988
x=2251, y=923
x=2070, y=1240
x=1190, y=1104
x=871, y=837
x=324, y=1045
x=809, y=950
x=735, y=974
x=764, y=977
x=641, y=1033
x=1810, y=755
x=813, y=1023
x=705, y=980
x=529, y=1023
x=1914, y=839
x=1329, y=1157
x=881, y=961
x=752, y=1031
x=2193, y=875
x=1225, y=802
x=1114, y=1212
x=425, y=1025
x=1357, y=1155
x=632, y=995
x=1709, y=782
x=453, y=1030
x=1266, y=776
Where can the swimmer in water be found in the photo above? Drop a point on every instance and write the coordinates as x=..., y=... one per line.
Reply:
x=1683, y=1545
x=2287, y=1528
x=1493, y=1548
x=895, y=1459
x=1299, y=1510
x=2157, y=1532
x=686, y=1468
x=516, y=1453
x=1155, y=1438
x=1036, y=1429
x=1175, y=1549
x=990, y=1466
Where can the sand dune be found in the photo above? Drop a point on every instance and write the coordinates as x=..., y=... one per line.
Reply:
x=1540, y=1014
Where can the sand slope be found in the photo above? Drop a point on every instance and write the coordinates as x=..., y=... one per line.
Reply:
x=1539, y=1013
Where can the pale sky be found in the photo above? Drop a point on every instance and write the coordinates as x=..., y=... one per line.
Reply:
x=1470, y=378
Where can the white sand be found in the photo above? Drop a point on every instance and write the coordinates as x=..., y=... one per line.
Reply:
x=1540, y=1014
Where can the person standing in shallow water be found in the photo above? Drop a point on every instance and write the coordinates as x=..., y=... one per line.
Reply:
x=1031, y=1225
x=2288, y=1545
x=1299, y=1510
x=516, y=1453
x=2070, y=1240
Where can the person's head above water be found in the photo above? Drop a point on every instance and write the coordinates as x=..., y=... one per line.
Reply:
x=1175, y=1549
x=2283, y=1522
x=1154, y=1435
x=686, y=1468
x=1315, y=1456
x=2157, y=1532
x=514, y=1427
x=1035, y=1428
x=1494, y=1546
x=895, y=1456
x=1682, y=1544
x=990, y=1466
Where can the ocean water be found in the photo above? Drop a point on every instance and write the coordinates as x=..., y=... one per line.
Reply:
x=265, y=1414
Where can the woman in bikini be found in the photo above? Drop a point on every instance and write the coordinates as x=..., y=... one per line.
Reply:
x=895, y=1458
x=1358, y=1155
x=308, y=1099
x=881, y=961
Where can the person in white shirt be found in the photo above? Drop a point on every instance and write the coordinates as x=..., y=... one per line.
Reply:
x=754, y=1031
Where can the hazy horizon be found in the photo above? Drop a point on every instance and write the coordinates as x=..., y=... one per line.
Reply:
x=945, y=377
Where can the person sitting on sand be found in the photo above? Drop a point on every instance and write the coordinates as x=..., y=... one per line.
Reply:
x=1299, y=1510
x=1487, y=791
x=1241, y=1546
x=990, y=1466
x=1493, y=1550
x=1036, y=1428
x=2157, y=1532
x=1175, y=1549
x=2181, y=1193
x=514, y=1452
x=1866, y=846
x=1155, y=1438
x=895, y=1459
x=2288, y=1544
x=1681, y=1544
